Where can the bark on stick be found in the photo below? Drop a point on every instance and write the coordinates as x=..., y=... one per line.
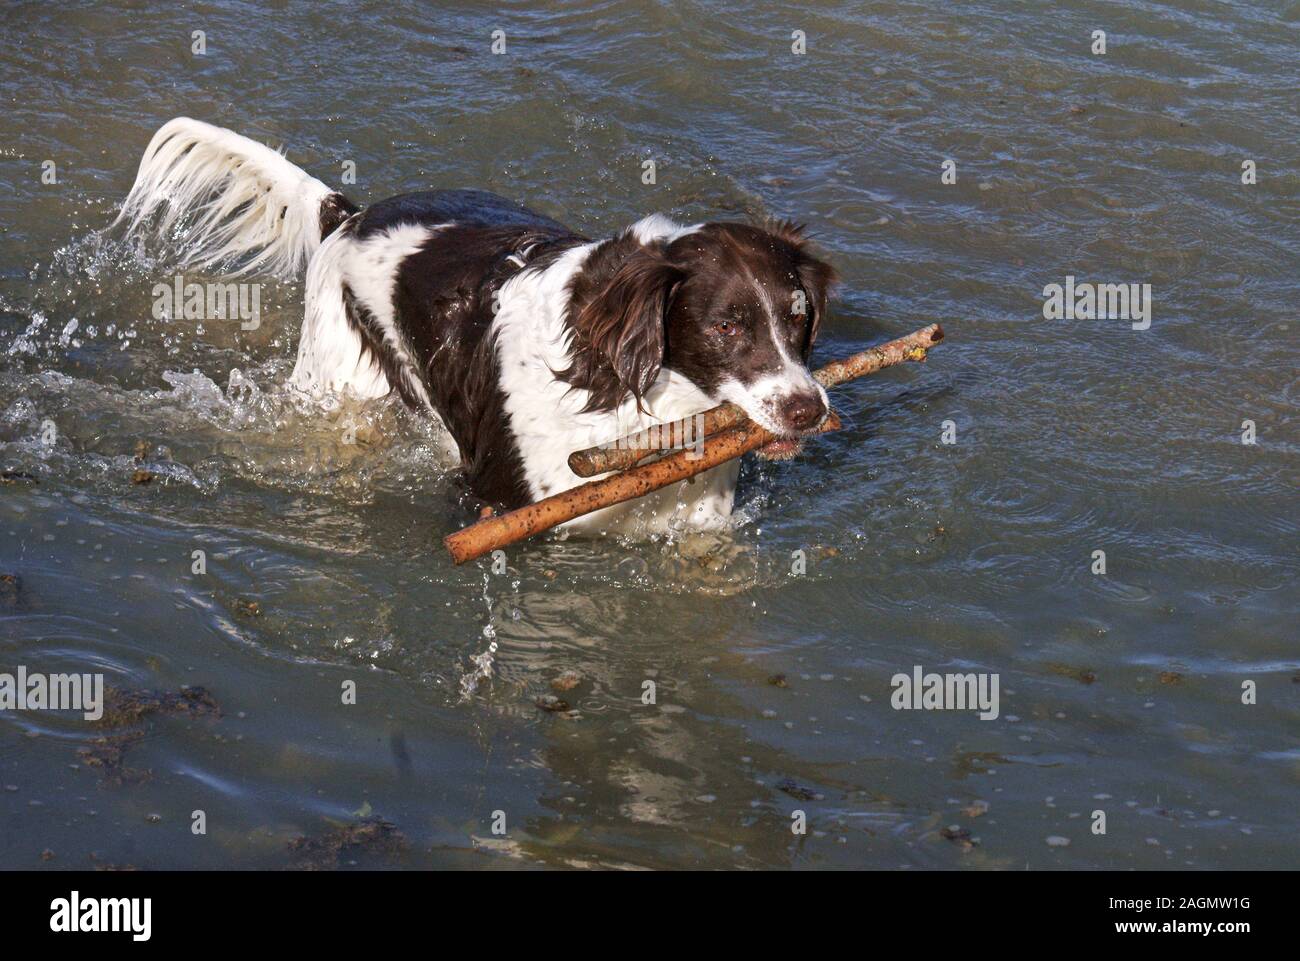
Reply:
x=498, y=530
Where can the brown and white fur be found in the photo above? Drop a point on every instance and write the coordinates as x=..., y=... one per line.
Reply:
x=526, y=339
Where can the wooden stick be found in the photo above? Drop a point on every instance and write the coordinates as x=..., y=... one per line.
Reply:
x=626, y=451
x=501, y=529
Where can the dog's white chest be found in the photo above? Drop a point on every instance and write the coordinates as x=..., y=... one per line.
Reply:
x=548, y=421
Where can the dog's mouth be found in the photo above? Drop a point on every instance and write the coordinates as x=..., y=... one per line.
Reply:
x=783, y=448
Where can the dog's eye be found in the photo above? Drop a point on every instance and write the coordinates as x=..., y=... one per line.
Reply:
x=727, y=327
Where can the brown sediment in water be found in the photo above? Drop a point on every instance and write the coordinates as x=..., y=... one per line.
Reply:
x=128, y=710
x=322, y=852
x=107, y=754
x=123, y=707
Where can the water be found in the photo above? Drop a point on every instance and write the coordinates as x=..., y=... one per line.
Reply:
x=1120, y=692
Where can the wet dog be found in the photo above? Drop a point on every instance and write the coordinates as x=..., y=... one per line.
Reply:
x=525, y=338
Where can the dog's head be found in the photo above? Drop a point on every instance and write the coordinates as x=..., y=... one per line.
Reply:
x=734, y=308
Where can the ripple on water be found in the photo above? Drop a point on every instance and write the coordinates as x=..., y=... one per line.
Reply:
x=1072, y=436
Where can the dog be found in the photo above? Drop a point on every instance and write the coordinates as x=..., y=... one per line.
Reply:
x=526, y=339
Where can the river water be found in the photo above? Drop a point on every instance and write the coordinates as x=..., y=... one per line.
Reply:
x=953, y=524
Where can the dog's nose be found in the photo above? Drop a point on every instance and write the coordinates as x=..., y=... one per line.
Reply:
x=803, y=412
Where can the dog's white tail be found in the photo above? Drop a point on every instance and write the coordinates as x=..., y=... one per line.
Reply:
x=245, y=199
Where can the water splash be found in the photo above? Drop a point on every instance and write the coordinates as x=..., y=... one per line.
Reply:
x=483, y=662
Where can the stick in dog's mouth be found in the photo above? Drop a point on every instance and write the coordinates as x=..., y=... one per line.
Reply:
x=627, y=451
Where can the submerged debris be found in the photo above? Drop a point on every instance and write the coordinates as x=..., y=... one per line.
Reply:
x=566, y=680
x=110, y=866
x=959, y=836
x=976, y=809
x=549, y=702
x=128, y=709
x=322, y=853
x=777, y=680
x=141, y=477
x=977, y=762
x=248, y=608
x=797, y=791
x=17, y=477
x=107, y=753
x=123, y=707
x=1080, y=674
x=11, y=589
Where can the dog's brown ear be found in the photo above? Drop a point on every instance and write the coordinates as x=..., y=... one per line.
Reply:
x=623, y=326
x=817, y=278
x=815, y=275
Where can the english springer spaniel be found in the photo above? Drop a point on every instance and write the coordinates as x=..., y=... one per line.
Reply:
x=526, y=339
